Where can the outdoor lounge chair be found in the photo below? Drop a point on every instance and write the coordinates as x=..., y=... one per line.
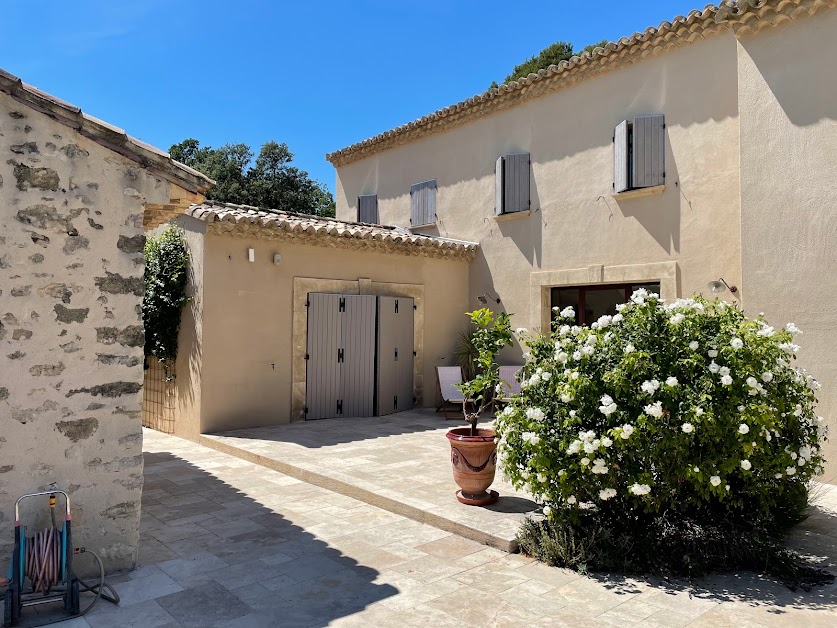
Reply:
x=451, y=398
x=508, y=383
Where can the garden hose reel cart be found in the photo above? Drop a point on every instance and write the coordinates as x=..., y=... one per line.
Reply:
x=45, y=560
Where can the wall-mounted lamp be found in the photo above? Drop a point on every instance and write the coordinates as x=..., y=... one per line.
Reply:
x=720, y=285
x=251, y=255
x=483, y=298
x=277, y=259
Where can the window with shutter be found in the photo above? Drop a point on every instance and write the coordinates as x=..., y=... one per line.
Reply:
x=423, y=203
x=511, y=184
x=367, y=208
x=639, y=151
x=649, y=151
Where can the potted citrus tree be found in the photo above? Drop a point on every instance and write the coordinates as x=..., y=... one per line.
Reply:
x=474, y=450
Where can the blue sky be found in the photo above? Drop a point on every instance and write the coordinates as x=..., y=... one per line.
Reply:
x=318, y=75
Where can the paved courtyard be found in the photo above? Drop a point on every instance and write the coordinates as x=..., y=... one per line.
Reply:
x=226, y=542
x=399, y=462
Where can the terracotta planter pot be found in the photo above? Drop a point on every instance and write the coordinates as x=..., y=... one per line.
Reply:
x=474, y=461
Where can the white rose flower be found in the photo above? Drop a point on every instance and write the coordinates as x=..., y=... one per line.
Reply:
x=724, y=370
x=541, y=477
x=752, y=382
x=565, y=398
x=606, y=442
x=574, y=375
x=640, y=489
x=712, y=353
x=588, y=350
x=790, y=471
x=698, y=411
x=546, y=375
x=694, y=345
x=588, y=448
x=736, y=343
x=561, y=356
x=571, y=499
x=564, y=330
x=743, y=429
x=585, y=461
x=793, y=328
x=568, y=312
x=629, y=348
x=726, y=380
x=547, y=510
x=592, y=339
x=713, y=368
x=767, y=377
x=687, y=428
x=650, y=386
x=617, y=318
x=654, y=409
x=627, y=430
x=576, y=355
x=745, y=464
x=607, y=493
x=697, y=469
x=574, y=447
x=715, y=480
x=521, y=330
x=778, y=476
x=671, y=382
x=620, y=307
x=676, y=319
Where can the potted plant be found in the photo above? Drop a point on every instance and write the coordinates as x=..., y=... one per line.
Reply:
x=474, y=450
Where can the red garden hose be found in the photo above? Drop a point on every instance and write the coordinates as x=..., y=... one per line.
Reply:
x=43, y=559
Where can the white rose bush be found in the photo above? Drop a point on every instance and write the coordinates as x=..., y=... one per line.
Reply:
x=652, y=435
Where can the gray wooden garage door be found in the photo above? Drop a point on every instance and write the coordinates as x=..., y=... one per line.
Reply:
x=357, y=370
x=323, y=356
x=395, y=354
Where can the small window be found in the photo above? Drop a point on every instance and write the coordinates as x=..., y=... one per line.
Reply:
x=423, y=204
x=511, y=184
x=639, y=152
x=367, y=209
x=591, y=302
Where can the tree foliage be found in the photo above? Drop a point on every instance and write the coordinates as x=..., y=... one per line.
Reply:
x=551, y=55
x=166, y=275
x=271, y=181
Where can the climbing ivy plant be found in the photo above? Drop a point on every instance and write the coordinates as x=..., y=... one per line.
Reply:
x=166, y=274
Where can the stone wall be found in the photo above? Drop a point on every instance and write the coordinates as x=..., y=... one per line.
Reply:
x=71, y=335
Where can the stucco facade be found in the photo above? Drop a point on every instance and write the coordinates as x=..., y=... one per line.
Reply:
x=241, y=356
x=750, y=144
x=71, y=365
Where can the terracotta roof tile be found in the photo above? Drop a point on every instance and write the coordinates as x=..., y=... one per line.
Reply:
x=277, y=222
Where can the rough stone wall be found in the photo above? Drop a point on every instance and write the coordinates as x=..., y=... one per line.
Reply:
x=71, y=335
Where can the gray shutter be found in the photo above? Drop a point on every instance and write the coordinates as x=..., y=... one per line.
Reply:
x=498, y=186
x=357, y=376
x=516, y=183
x=649, y=151
x=423, y=203
x=322, y=389
x=621, y=181
x=367, y=208
x=395, y=354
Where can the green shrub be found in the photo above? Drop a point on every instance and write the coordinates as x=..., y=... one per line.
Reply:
x=661, y=417
x=166, y=276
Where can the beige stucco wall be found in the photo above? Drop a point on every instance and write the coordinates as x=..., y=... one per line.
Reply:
x=788, y=100
x=575, y=223
x=71, y=332
x=246, y=343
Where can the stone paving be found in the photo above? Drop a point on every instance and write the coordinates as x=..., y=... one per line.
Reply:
x=399, y=462
x=226, y=542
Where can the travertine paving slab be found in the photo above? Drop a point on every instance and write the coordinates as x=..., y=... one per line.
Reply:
x=399, y=462
x=377, y=568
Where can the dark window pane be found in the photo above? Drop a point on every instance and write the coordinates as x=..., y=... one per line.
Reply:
x=563, y=297
x=598, y=302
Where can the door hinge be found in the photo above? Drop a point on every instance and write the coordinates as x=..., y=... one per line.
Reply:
x=342, y=304
x=414, y=354
x=307, y=357
x=415, y=307
x=396, y=306
x=339, y=406
x=395, y=402
x=340, y=355
x=396, y=354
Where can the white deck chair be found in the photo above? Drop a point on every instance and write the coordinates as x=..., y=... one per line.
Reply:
x=509, y=384
x=447, y=377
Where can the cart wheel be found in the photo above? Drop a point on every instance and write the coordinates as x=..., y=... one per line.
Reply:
x=8, y=604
